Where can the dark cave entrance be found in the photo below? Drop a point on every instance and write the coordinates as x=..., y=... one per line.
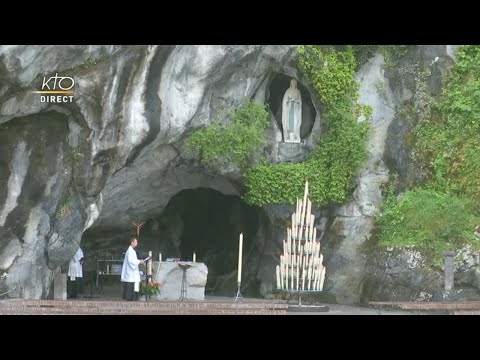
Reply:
x=208, y=223
x=279, y=84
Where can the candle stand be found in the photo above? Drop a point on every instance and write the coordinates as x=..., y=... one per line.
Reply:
x=239, y=273
x=183, y=289
x=301, y=268
x=239, y=294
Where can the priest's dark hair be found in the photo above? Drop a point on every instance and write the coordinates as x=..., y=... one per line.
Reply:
x=131, y=238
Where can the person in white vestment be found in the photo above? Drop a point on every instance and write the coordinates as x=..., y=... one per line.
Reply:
x=75, y=273
x=130, y=272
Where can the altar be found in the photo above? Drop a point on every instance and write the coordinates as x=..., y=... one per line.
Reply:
x=171, y=276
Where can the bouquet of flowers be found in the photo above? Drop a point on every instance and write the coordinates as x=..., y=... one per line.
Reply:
x=150, y=288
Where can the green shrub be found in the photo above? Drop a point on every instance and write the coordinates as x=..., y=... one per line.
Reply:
x=431, y=221
x=234, y=142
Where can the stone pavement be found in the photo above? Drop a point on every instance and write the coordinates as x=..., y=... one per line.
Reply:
x=118, y=307
x=432, y=307
x=335, y=309
x=211, y=306
x=216, y=305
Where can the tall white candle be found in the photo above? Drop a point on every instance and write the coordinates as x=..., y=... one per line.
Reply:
x=291, y=275
x=159, y=257
x=240, y=246
x=312, y=226
x=304, y=202
x=315, y=274
x=304, y=274
x=322, y=279
x=281, y=271
x=294, y=250
x=298, y=270
x=149, y=264
x=194, y=257
x=278, y=276
x=294, y=225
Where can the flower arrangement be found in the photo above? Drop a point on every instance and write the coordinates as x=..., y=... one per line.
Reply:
x=150, y=288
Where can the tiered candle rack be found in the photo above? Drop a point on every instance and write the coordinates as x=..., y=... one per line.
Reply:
x=301, y=267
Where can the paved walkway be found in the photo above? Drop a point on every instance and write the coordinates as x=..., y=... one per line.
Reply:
x=211, y=306
x=335, y=309
x=216, y=305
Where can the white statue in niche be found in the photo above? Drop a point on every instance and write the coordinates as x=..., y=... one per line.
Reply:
x=292, y=113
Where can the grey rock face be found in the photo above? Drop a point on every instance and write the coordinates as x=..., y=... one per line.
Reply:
x=402, y=274
x=414, y=83
x=352, y=222
x=116, y=153
x=292, y=152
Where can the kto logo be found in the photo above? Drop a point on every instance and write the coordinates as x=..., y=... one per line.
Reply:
x=57, y=85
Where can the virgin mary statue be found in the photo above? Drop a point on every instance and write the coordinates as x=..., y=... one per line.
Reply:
x=292, y=113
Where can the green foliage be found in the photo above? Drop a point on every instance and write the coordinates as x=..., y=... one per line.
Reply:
x=449, y=140
x=234, y=142
x=281, y=183
x=329, y=170
x=333, y=163
x=342, y=146
x=429, y=220
x=442, y=215
x=149, y=288
x=331, y=72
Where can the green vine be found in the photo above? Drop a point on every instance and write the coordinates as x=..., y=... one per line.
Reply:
x=342, y=146
x=234, y=142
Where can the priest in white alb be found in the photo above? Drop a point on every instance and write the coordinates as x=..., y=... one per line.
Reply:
x=130, y=272
x=75, y=273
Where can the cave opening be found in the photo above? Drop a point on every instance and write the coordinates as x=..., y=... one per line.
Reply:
x=208, y=223
x=278, y=85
